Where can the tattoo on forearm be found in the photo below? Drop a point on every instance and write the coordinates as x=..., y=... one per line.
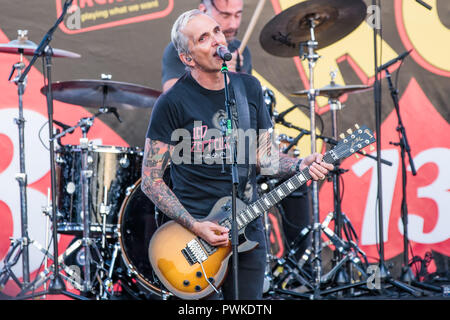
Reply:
x=156, y=158
x=268, y=151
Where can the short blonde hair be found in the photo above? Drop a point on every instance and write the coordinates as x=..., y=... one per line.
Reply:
x=179, y=39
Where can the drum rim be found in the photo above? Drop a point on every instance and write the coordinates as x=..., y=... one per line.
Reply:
x=124, y=255
x=105, y=149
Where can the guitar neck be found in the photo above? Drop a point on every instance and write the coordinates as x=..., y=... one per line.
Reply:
x=268, y=200
x=344, y=148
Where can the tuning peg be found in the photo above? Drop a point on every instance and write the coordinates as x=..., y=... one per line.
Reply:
x=349, y=131
x=363, y=152
x=371, y=148
x=357, y=156
x=342, y=136
x=356, y=126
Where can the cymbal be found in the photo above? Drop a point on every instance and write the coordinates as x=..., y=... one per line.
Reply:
x=103, y=93
x=27, y=48
x=333, y=90
x=333, y=20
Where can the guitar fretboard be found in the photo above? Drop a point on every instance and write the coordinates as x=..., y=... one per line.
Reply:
x=267, y=201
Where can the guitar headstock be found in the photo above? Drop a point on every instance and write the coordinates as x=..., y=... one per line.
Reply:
x=355, y=141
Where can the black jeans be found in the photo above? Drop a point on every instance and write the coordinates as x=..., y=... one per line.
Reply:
x=251, y=268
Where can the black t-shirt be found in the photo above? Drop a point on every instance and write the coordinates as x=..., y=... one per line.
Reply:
x=188, y=116
x=173, y=68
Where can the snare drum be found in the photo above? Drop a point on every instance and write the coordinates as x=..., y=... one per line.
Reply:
x=111, y=169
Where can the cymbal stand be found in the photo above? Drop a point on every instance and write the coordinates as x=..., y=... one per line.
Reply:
x=312, y=57
x=85, y=124
x=56, y=285
x=24, y=242
x=54, y=273
x=340, y=260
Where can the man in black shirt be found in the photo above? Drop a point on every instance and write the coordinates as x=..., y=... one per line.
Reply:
x=185, y=130
x=228, y=14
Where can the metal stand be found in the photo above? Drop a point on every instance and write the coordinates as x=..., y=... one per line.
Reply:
x=384, y=273
x=228, y=129
x=407, y=275
x=20, y=247
x=56, y=285
x=24, y=242
x=312, y=58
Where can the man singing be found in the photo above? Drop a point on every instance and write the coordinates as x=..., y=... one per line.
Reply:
x=196, y=105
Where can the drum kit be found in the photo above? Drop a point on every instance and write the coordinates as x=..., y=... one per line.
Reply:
x=97, y=179
x=97, y=194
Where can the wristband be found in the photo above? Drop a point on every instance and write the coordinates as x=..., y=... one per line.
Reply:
x=297, y=166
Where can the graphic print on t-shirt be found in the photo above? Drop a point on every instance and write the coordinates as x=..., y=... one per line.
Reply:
x=209, y=145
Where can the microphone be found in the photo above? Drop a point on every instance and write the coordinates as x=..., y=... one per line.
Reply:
x=114, y=112
x=426, y=5
x=280, y=117
x=62, y=125
x=391, y=62
x=224, y=53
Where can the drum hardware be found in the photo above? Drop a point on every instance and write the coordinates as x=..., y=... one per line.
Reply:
x=270, y=102
x=333, y=19
x=347, y=253
x=21, y=177
x=26, y=47
x=286, y=143
x=298, y=30
x=138, y=220
x=312, y=58
x=23, y=46
x=56, y=285
x=104, y=211
x=104, y=93
x=109, y=181
x=108, y=284
x=341, y=260
x=87, y=242
x=71, y=275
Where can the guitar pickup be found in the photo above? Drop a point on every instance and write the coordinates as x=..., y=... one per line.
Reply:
x=209, y=248
x=193, y=252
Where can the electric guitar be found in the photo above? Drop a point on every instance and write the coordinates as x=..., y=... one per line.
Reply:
x=191, y=268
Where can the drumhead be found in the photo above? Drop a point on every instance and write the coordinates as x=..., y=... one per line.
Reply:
x=138, y=220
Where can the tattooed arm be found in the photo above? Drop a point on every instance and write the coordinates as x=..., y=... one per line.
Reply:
x=272, y=162
x=156, y=158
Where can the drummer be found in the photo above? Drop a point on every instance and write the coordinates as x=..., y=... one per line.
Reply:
x=228, y=14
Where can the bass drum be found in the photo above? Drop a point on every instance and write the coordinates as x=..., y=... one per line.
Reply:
x=138, y=221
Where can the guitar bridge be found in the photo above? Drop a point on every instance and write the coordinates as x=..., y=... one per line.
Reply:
x=193, y=252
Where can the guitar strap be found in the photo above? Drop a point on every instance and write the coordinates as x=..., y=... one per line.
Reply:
x=241, y=117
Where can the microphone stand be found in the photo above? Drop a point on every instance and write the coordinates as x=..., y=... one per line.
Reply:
x=56, y=285
x=377, y=99
x=229, y=130
x=383, y=272
x=407, y=275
